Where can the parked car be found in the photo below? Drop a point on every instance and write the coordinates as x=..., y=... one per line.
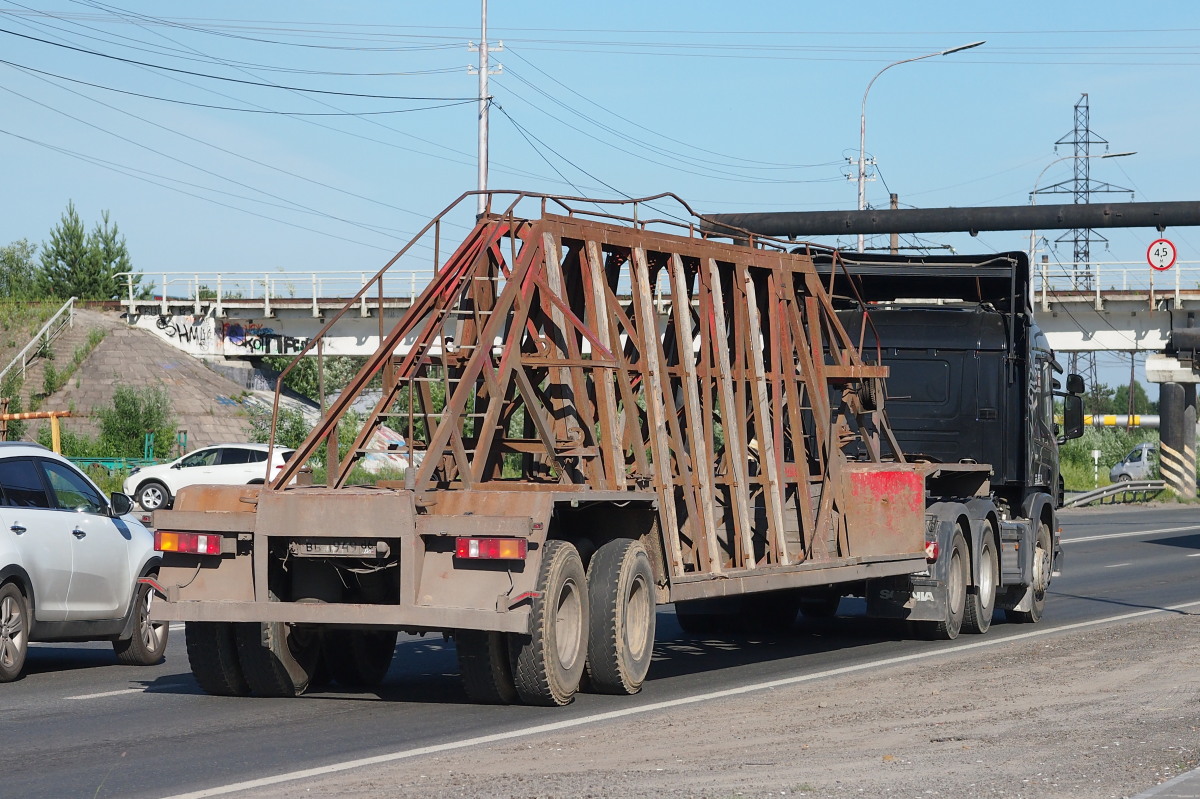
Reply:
x=70, y=563
x=155, y=487
x=1140, y=464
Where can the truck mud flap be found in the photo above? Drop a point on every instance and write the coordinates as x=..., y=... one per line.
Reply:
x=911, y=598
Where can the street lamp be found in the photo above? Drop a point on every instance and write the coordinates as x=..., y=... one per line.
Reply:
x=1034, y=192
x=862, y=125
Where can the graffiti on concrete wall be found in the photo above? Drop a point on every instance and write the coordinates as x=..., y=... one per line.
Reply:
x=195, y=330
x=252, y=338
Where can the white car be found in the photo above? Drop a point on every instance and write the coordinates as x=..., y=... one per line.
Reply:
x=155, y=487
x=72, y=563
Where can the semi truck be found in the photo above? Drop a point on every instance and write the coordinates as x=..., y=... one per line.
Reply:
x=606, y=410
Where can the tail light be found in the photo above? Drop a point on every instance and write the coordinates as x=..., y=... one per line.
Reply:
x=491, y=548
x=190, y=543
x=931, y=551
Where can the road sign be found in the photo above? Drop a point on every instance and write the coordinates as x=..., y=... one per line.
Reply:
x=1161, y=254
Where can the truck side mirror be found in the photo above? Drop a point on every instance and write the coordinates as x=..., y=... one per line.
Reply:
x=1075, y=384
x=1072, y=417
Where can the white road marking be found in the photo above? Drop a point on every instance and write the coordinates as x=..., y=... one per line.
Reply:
x=1194, y=555
x=1129, y=534
x=1117, y=565
x=110, y=693
x=405, y=754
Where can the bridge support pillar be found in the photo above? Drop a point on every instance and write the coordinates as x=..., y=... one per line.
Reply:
x=1177, y=448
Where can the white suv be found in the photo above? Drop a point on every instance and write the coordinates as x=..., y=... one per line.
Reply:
x=72, y=563
x=155, y=487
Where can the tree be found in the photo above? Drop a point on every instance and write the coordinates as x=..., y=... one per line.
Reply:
x=133, y=413
x=18, y=272
x=85, y=266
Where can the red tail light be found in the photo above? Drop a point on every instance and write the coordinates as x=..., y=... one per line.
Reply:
x=191, y=543
x=931, y=551
x=491, y=548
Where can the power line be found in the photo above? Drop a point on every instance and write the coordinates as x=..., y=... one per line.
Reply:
x=228, y=79
x=231, y=108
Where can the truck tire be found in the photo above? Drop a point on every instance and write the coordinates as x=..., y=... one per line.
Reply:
x=1041, y=581
x=278, y=659
x=484, y=666
x=548, y=663
x=957, y=577
x=358, y=659
x=212, y=653
x=981, y=603
x=621, y=621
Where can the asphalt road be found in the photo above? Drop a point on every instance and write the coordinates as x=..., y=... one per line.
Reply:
x=79, y=725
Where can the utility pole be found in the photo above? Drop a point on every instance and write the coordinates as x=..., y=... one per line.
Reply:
x=485, y=100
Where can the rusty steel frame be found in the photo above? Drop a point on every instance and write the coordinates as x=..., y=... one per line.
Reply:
x=722, y=381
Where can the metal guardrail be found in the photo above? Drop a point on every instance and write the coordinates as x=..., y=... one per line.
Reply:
x=1139, y=489
x=49, y=331
x=1100, y=277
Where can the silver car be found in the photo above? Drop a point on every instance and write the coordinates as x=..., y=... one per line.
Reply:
x=71, y=563
x=1140, y=464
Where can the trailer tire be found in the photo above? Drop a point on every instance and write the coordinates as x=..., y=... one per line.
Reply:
x=212, y=653
x=548, y=663
x=621, y=619
x=981, y=603
x=1042, y=556
x=484, y=666
x=357, y=659
x=957, y=577
x=283, y=666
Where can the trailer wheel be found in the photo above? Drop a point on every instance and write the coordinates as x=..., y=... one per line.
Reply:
x=1041, y=581
x=621, y=620
x=981, y=603
x=278, y=659
x=484, y=666
x=358, y=659
x=548, y=663
x=212, y=653
x=957, y=577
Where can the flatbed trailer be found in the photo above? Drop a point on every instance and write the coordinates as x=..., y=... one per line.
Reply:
x=604, y=414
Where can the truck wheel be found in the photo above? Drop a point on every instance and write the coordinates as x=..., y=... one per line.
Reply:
x=358, y=659
x=981, y=603
x=1041, y=581
x=484, y=667
x=621, y=622
x=278, y=659
x=212, y=653
x=149, y=640
x=957, y=577
x=548, y=663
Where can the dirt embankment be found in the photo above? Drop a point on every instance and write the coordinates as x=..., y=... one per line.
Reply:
x=1107, y=712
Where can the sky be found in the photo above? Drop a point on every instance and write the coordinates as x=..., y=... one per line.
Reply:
x=300, y=136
